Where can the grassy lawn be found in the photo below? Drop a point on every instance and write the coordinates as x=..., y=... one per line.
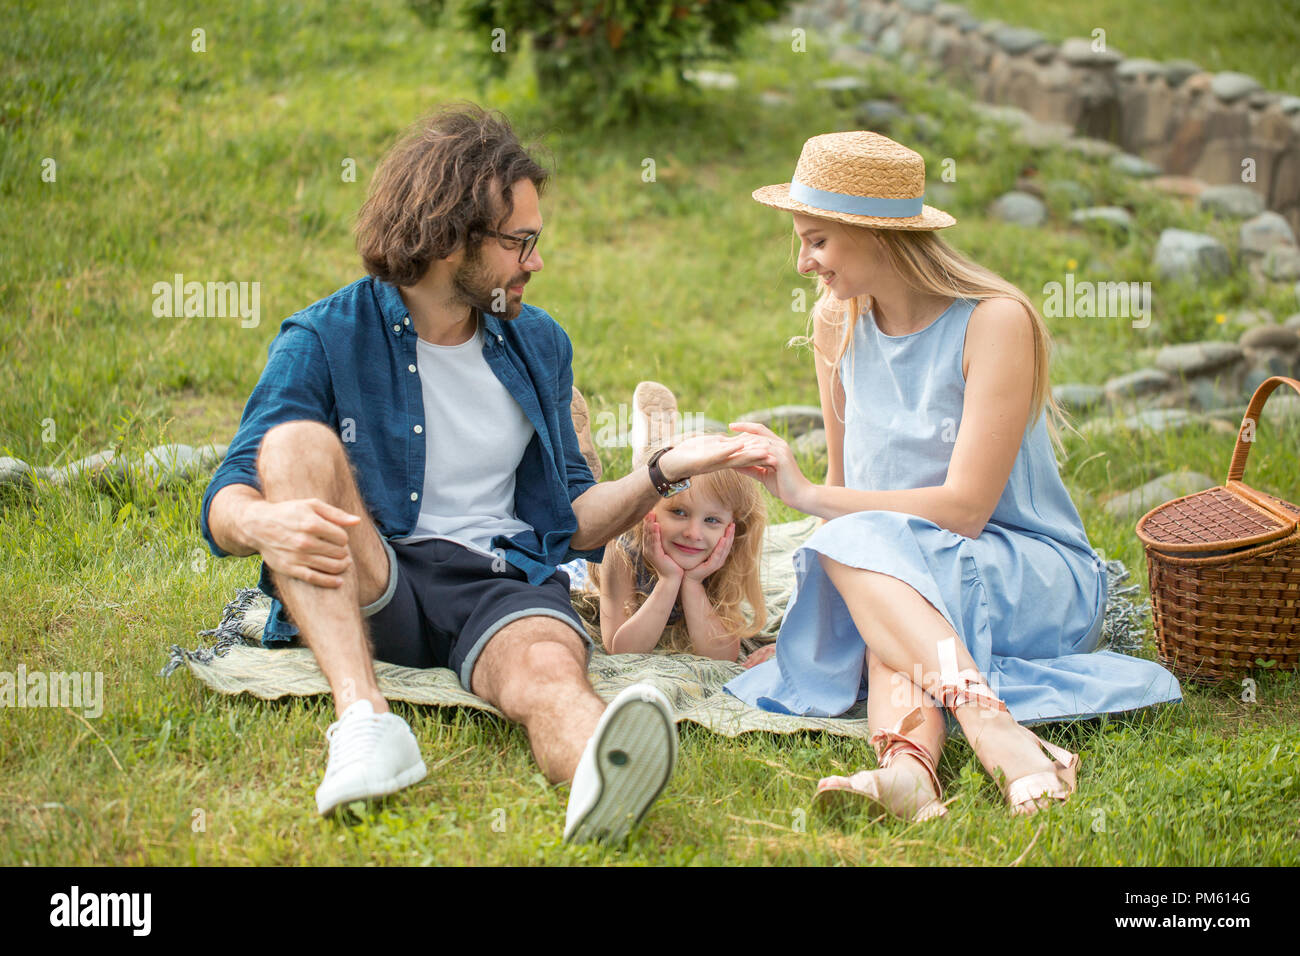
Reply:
x=226, y=165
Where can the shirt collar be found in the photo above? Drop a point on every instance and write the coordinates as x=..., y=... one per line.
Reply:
x=398, y=320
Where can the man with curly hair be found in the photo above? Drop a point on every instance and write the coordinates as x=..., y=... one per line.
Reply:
x=408, y=470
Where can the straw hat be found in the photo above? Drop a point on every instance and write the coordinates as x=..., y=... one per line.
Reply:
x=860, y=178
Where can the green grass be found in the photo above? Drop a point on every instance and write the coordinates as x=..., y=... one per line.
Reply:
x=1259, y=38
x=226, y=165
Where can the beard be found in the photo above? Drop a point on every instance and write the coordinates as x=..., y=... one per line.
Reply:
x=475, y=285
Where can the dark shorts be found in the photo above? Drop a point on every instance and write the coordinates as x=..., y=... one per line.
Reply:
x=444, y=603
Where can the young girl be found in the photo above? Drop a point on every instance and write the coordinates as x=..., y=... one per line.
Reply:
x=681, y=579
x=953, y=570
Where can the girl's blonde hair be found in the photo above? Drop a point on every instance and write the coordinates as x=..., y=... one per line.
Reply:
x=928, y=264
x=733, y=585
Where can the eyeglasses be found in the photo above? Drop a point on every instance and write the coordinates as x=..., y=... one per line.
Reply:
x=526, y=243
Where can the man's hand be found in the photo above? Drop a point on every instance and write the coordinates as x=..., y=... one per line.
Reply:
x=705, y=453
x=304, y=538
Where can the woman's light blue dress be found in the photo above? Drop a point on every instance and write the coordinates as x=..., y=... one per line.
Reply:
x=1027, y=597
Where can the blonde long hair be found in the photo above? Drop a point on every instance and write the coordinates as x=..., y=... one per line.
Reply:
x=733, y=585
x=928, y=264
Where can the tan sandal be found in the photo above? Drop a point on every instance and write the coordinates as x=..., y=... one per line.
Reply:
x=582, y=425
x=1024, y=793
x=894, y=792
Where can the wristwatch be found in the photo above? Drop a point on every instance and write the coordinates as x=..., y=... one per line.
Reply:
x=662, y=485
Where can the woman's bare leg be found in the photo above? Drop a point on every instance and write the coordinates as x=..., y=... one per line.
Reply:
x=907, y=634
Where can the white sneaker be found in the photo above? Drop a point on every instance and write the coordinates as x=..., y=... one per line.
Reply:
x=624, y=768
x=371, y=755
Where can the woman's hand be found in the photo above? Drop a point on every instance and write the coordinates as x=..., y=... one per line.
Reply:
x=717, y=557
x=780, y=474
x=760, y=655
x=669, y=570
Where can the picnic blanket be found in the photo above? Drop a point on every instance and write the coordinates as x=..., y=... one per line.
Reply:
x=235, y=662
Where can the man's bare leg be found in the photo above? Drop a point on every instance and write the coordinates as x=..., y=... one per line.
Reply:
x=534, y=670
x=305, y=459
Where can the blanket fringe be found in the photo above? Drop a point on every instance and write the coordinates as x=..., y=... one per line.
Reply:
x=227, y=634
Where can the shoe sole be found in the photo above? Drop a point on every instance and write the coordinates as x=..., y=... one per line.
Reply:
x=634, y=761
x=582, y=426
x=403, y=780
x=654, y=416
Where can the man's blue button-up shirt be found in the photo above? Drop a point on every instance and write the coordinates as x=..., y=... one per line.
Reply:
x=349, y=361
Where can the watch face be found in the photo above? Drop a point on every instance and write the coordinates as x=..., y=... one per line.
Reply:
x=677, y=486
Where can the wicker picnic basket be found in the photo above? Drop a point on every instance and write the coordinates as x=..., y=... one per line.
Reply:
x=1224, y=570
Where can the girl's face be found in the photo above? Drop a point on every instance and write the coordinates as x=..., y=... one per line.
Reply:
x=845, y=256
x=691, y=524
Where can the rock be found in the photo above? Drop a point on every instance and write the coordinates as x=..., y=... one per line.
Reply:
x=1232, y=200
x=1090, y=148
x=949, y=12
x=1068, y=193
x=1269, y=337
x=810, y=443
x=1160, y=420
x=1229, y=86
x=1260, y=233
x=1135, y=166
x=1132, y=505
x=1019, y=208
x=1041, y=135
x=1003, y=115
x=99, y=468
x=890, y=43
x=702, y=423
x=879, y=114
x=1190, y=255
x=1197, y=358
x=1138, y=67
x=841, y=84
x=1282, y=263
x=1289, y=104
x=1292, y=322
x=1114, y=216
x=859, y=57
x=1080, y=398
x=796, y=419
x=712, y=79
x=1186, y=186
x=1016, y=40
x=15, y=472
x=1177, y=72
x=1145, y=381
x=918, y=6
x=1078, y=51
x=1262, y=99
x=166, y=465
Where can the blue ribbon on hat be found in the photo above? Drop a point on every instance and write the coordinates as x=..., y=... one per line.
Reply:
x=857, y=205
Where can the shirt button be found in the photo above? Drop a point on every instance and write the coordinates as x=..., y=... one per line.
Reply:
x=414, y=496
x=397, y=328
x=410, y=368
x=418, y=429
x=407, y=320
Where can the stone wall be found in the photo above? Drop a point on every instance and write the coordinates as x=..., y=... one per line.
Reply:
x=1175, y=115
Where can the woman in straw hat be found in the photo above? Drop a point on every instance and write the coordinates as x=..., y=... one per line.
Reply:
x=952, y=568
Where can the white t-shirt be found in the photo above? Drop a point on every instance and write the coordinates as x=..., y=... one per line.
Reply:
x=475, y=436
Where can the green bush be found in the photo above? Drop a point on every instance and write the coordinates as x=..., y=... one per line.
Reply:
x=601, y=60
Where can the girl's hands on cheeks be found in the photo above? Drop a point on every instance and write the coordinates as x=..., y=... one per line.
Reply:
x=660, y=560
x=717, y=557
x=779, y=473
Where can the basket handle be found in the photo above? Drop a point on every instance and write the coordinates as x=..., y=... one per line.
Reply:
x=1239, y=454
